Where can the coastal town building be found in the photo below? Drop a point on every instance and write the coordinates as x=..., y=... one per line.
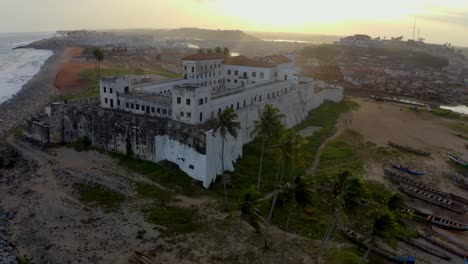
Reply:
x=173, y=120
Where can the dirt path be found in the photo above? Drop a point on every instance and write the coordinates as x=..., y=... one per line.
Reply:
x=342, y=124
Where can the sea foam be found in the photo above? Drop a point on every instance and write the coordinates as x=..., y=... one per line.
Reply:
x=17, y=67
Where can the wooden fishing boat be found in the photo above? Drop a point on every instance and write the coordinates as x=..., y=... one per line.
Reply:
x=403, y=179
x=435, y=220
x=142, y=258
x=434, y=199
x=458, y=160
x=407, y=169
x=362, y=240
x=409, y=149
x=459, y=181
x=430, y=250
x=435, y=238
x=428, y=107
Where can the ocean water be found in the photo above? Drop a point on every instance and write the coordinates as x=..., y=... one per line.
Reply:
x=17, y=67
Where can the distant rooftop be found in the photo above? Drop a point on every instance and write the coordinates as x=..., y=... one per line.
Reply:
x=244, y=61
x=279, y=59
x=207, y=56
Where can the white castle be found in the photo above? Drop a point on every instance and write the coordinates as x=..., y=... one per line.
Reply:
x=210, y=84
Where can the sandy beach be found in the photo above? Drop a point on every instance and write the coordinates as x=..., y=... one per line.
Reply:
x=33, y=96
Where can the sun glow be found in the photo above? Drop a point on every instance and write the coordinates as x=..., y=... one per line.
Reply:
x=298, y=13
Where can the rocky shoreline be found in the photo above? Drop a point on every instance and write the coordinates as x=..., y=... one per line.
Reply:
x=34, y=95
x=7, y=251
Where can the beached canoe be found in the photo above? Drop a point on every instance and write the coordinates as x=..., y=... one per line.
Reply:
x=404, y=179
x=458, y=160
x=435, y=238
x=435, y=220
x=422, y=246
x=408, y=149
x=143, y=258
x=378, y=249
x=459, y=181
x=407, y=169
x=434, y=199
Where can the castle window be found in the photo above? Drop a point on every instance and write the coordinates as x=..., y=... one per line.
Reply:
x=232, y=106
x=126, y=89
x=137, y=106
x=104, y=88
x=181, y=113
x=185, y=67
x=179, y=100
x=112, y=103
x=236, y=73
x=193, y=69
x=237, y=105
x=110, y=90
x=105, y=100
x=260, y=98
x=262, y=75
x=187, y=101
x=200, y=101
x=126, y=105
x=118, y=102
x=228, y=80
x=206, y=100
x=189, y=115
x=285, y=77
x=245, y=75
x=201, y=116
x=158, y=110
x=152, y=109
x=244, y=103
x=164, y=111
x=132, y=106
x=219, y=111
x=191, y=167
x=254, y=74
x=235, y=81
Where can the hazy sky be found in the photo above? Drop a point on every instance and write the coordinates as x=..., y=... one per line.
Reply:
x=439, y=20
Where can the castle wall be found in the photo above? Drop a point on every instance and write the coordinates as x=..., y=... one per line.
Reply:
x=295, y=106
x=196, y=149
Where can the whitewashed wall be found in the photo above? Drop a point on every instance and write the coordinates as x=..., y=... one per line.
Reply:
x=295, y=106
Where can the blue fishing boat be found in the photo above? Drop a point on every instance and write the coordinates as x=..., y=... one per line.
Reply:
x=407, y=169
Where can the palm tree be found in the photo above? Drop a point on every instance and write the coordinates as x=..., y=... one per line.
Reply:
x=99, y=56
x=300, y=194
x=289, y=154
x=344, y=193
x=226, y=123
x=218, y=50
x=383, y=222
x=226, y=52
x=267, y=127
x=249, y=214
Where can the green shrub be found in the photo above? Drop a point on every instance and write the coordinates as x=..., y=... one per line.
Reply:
x=175, y=220
x=92, y=193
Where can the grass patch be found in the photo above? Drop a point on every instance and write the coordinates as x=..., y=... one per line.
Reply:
x=168, y=175
x=90, y=77
x=446, y=113
x=174, y=220
x=95, y=194
x=342, y=256
x=245, y=174
x=151, y=191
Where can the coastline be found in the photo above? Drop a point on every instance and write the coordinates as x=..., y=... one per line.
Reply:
x=33, y=96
